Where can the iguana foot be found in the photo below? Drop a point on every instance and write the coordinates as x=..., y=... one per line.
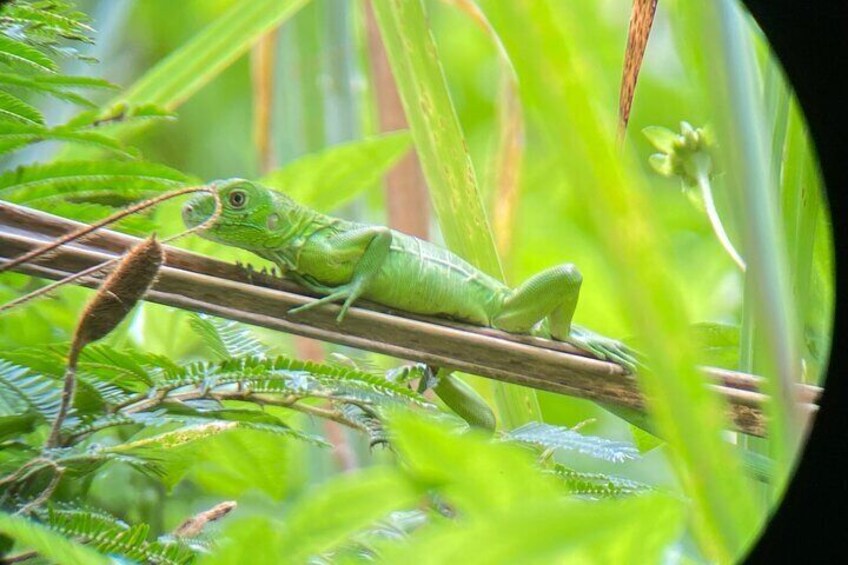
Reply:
x=604, y=348
x=349, y=292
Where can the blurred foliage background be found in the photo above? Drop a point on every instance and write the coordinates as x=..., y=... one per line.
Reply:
x=649, y=257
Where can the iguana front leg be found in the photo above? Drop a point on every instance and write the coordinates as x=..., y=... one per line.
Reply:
x=551, y=297
x=368, y=248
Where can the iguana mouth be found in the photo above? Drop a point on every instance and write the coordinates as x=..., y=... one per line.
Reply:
x=198, y=210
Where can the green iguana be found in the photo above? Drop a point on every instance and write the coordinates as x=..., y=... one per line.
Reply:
x=346, y=260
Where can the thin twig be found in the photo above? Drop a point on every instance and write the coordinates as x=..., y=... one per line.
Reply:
x=45, y=494
x=67, y=396
x=81, y=232
x=24, y=556
x=201, y=284
x=99, y=267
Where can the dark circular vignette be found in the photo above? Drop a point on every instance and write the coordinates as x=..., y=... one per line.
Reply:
x=810, y=39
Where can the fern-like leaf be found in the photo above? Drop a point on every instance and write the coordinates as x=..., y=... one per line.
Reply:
x=16, y=135
x=57, y=86
x=46, y=25
x=22, y=389
x=136, y=179
x=17, y=53
x=158, y=445
x=127, y=370
x=285, y=375
x=13, y=108
x=227, y=338
x=558, y=437
x=48, y=543
x=597, y=485
x=111, y=535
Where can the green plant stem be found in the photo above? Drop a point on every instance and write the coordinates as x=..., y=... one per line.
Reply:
x=715, y=220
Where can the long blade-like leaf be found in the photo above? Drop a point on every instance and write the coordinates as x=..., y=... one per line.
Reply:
x=437, y=134
x=192, y=66
x=445, y=159
x=559, y=83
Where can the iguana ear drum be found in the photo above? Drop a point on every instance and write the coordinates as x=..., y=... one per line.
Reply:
x=273, y=221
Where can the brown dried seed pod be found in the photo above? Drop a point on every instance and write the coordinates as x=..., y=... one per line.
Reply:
x=119, y=292
x=194, y=525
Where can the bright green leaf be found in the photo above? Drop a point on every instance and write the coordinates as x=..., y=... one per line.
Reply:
x=186, y=70
x=17, y=52
x=52, y=545
x=332, y=177
x=18, y=110
x=62, y=178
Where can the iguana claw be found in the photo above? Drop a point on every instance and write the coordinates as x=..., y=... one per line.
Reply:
x=350, y=292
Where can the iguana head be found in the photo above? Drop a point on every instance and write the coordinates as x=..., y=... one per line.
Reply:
x=251, y=214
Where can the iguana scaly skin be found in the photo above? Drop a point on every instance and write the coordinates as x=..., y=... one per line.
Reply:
x=346, y=260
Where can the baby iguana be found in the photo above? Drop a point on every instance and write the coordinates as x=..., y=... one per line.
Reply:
x=346, y=260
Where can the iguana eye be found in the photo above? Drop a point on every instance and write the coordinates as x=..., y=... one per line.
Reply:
x=237, y=198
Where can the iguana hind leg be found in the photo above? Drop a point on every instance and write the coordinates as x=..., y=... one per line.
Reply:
x=551, y=294
x=551, y=297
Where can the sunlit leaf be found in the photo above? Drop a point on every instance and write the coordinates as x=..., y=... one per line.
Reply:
x=63, y=178
x=445, y=160
x=558, y=437
x=334, y=176
x=187, y=69
x=16, y=109
x=52, y=545
x=20, y=53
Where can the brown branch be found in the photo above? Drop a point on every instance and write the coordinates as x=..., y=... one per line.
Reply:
x=200, y=284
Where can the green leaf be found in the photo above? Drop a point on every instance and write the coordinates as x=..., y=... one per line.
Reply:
x=22, y=389
x=185, y=71
x=285, y=375
x=19, y=53
x=245, y=460
x=125, y=369
x=16, y=425
x=47, y=543
x=17, y=109
x=227, y=338
x=445, y=160
x=83, y=178
x=330, y=178
x=321, y=520
x=564, y=86
x=14, y=136
x=47, y=24
x=633, y=530
x=663, y=139
x=438, y=137
x=56, y=85
x=177, y=450
x=558, y=437
x=597, y=485
x=477, y=476
x=113, y=536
